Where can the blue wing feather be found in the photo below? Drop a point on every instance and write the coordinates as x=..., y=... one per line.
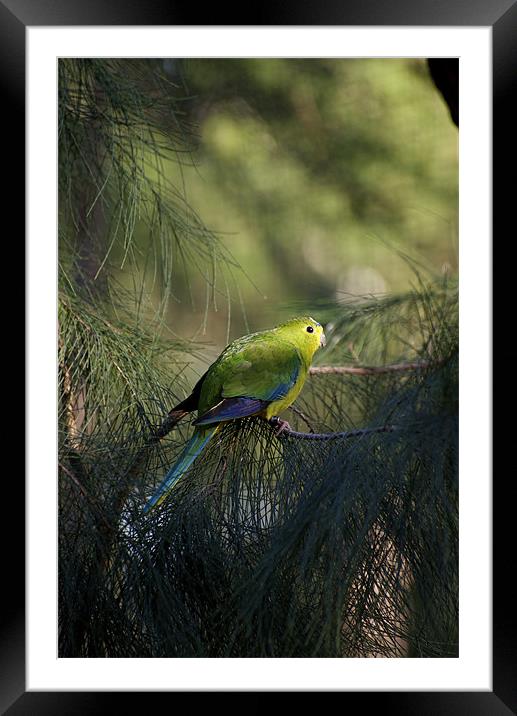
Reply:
x=280, y=391
x=231, y=408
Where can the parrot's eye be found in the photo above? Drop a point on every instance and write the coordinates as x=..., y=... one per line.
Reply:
x=310, y=329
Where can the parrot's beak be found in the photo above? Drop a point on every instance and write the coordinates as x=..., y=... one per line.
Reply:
x=323, y=340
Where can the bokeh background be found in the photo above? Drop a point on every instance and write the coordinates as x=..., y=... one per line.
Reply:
x=318, y=176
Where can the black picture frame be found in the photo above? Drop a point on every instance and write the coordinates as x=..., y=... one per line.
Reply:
x=501, y=16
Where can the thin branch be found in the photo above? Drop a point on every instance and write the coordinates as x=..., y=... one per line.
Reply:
x=303, y=417
x=367, y=370
x=74, y=408
x=172, y=419
x=287, y=432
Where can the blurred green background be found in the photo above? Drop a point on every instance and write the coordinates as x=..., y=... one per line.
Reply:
x=315, y=174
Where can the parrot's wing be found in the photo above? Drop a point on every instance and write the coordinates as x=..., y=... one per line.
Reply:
x=230, y=408
x=262, y=369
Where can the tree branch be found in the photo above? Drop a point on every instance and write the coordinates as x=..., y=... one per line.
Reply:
x=287, y=432
x=303, y=417
x=367, y=370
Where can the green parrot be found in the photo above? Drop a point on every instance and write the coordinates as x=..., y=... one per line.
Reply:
x=259, y=374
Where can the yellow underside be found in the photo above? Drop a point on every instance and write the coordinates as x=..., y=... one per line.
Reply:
x=278, y=406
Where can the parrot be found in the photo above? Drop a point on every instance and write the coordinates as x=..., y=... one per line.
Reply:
x=258, y=374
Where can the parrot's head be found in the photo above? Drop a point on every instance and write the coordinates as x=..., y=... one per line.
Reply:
x=306, y=333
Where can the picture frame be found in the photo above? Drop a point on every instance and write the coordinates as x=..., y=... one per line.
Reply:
x=501, y=16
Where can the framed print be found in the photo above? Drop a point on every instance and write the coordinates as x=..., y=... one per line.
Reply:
x=233, y=553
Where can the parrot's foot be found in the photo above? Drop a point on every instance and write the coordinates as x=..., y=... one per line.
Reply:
x=280, y=424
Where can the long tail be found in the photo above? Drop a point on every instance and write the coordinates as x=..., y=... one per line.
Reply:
x=192, y=449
